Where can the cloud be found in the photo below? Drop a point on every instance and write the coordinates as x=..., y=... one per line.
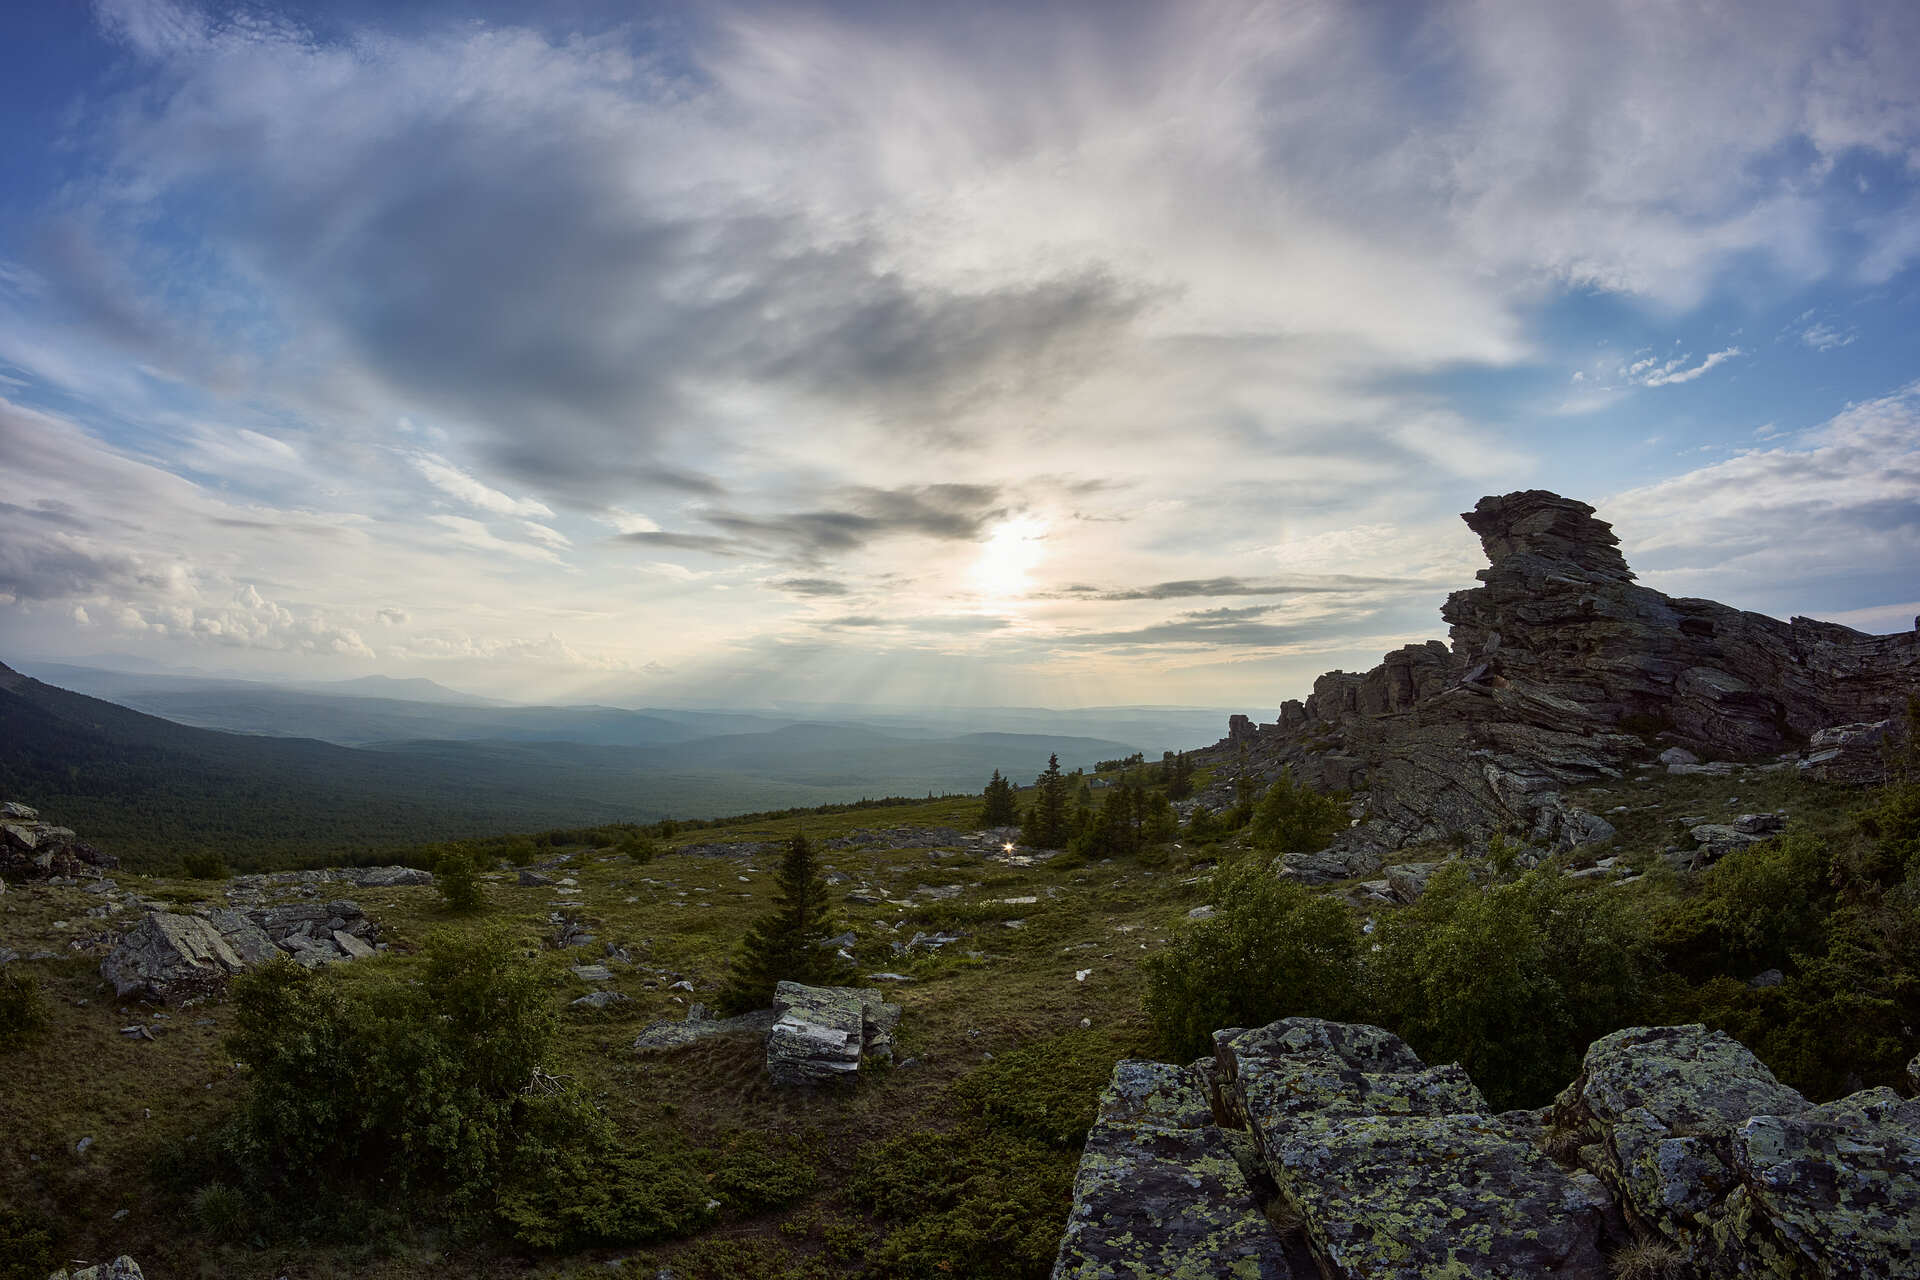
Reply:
x=1650, y=371
x=1233, y=586
x=810, y=586
x=1823, y=337
x=457, y=483
x=1800, y=526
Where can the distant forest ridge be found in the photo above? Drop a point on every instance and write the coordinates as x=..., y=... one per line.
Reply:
x=150, y=790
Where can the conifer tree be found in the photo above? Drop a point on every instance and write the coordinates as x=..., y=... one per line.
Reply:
x=784, y=944
x=1046, y=824
x=1000, y=809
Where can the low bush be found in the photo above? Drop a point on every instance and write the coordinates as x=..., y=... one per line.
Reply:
x=23, y=1009
x=976, y=1202
x=26, y=1244
x=457, y=874
x=1048, y=1090
x=1272, y=950
x=1294, y=818
x=204, y=865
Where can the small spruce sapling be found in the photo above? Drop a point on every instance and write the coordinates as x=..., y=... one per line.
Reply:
x=785, y=944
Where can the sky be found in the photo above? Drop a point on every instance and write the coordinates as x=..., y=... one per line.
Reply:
x=940, y=354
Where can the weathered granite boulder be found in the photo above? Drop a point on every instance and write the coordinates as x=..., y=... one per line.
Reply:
x=1831, y=1192
x=1396, y=1169
x=170, y=958
x=34, y=850
x=1159, y=1191
x=821, y=1034
x=1655, y=1110
x=657, y=1037
x=1851, y=753
x=121, y=1268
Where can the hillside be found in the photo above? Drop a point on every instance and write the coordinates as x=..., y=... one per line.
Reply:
x=149, y=788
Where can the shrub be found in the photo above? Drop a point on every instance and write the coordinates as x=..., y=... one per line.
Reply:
x=1048, y=1091
x=221, y=1212
x=458, y=876
x=418, y=1085
x=1272, y=950
x=23, y=1009
x=1294, y=818
x=977, y=1202
x=1512, y=982
x=204, y=865
x=26, y=1244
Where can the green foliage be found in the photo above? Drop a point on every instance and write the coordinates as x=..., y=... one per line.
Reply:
x=784, y=945
x=598, y=1197
x=977, y=1202
x=1512, y=981
x=26, y=1244
x=1272, y=950
x=1179, y=777
x=1752, y=910
x=1045, y=825
x=204, y=865
x=1048, y=1091
x=458, y=879
x=999, y=808
x=417, y=1085
x=221, y=1212
x=23, y=1009
x=1204, y=826
x=1294, y=818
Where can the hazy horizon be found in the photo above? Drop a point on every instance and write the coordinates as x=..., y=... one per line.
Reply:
x=996, y=356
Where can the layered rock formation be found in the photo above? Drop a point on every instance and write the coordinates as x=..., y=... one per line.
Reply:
x=822, y=1034
x=1365, y=1162
x=1557, y=662
x=31, y=849
x=171, y=958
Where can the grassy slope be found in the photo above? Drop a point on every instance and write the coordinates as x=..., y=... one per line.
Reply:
x=681, y=914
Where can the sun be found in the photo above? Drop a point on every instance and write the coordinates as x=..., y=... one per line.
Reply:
x=1009, y=557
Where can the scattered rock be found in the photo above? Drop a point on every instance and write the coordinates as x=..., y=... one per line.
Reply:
x=599, y=1000
x=534, y=879
x=121, y=1268
x=600, y=973
x=1201, y=913
x=669, y=1034
x=170, y=958
x=821, y=1034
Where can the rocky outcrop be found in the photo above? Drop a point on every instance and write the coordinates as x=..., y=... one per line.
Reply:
x=1558, y=663
x=170, y=958
x=31, y=849
x=1706, y=1149
x=698, y=1025
x=1393, y=1169
x=121, y=1268
x=822, y=1034
x=1159, y=1191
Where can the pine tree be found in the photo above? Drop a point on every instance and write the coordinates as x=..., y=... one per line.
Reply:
x=1046, y=824
x=1000, y=809
x=784, y=944
x=1180, y=780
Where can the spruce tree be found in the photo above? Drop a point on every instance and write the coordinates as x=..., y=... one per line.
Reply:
x=784, y=944
x=1000, y=810
x=1046, y=824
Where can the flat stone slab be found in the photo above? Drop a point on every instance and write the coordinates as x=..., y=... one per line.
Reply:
x=1159, y=1192
x=1433, y=1196
x=660, y=1037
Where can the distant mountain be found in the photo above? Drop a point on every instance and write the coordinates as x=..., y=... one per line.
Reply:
x=148, y=788
x=414, y=689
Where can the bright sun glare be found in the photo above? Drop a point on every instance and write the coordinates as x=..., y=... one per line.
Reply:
x=1009, y=556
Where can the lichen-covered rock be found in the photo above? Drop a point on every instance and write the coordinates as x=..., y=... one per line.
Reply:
x=170, y=958
x=243, y=935
x=821, y=1034
x=667, y=1034
x=121, y=1268
x=1395, y=1168
x=1660, y=1106
x=1160, y=1193
x=1832, y=1192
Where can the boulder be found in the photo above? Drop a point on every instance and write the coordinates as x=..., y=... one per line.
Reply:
x=387, y=877
x=1855, y=754
x=121, y=1268
x=821, y=1034
x=243, y=935
x=1396, y=1169
x=1408, y=880
x=1659, y=1107
x=1831, y=1192
x=1159, y=1191
x=170, y=958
